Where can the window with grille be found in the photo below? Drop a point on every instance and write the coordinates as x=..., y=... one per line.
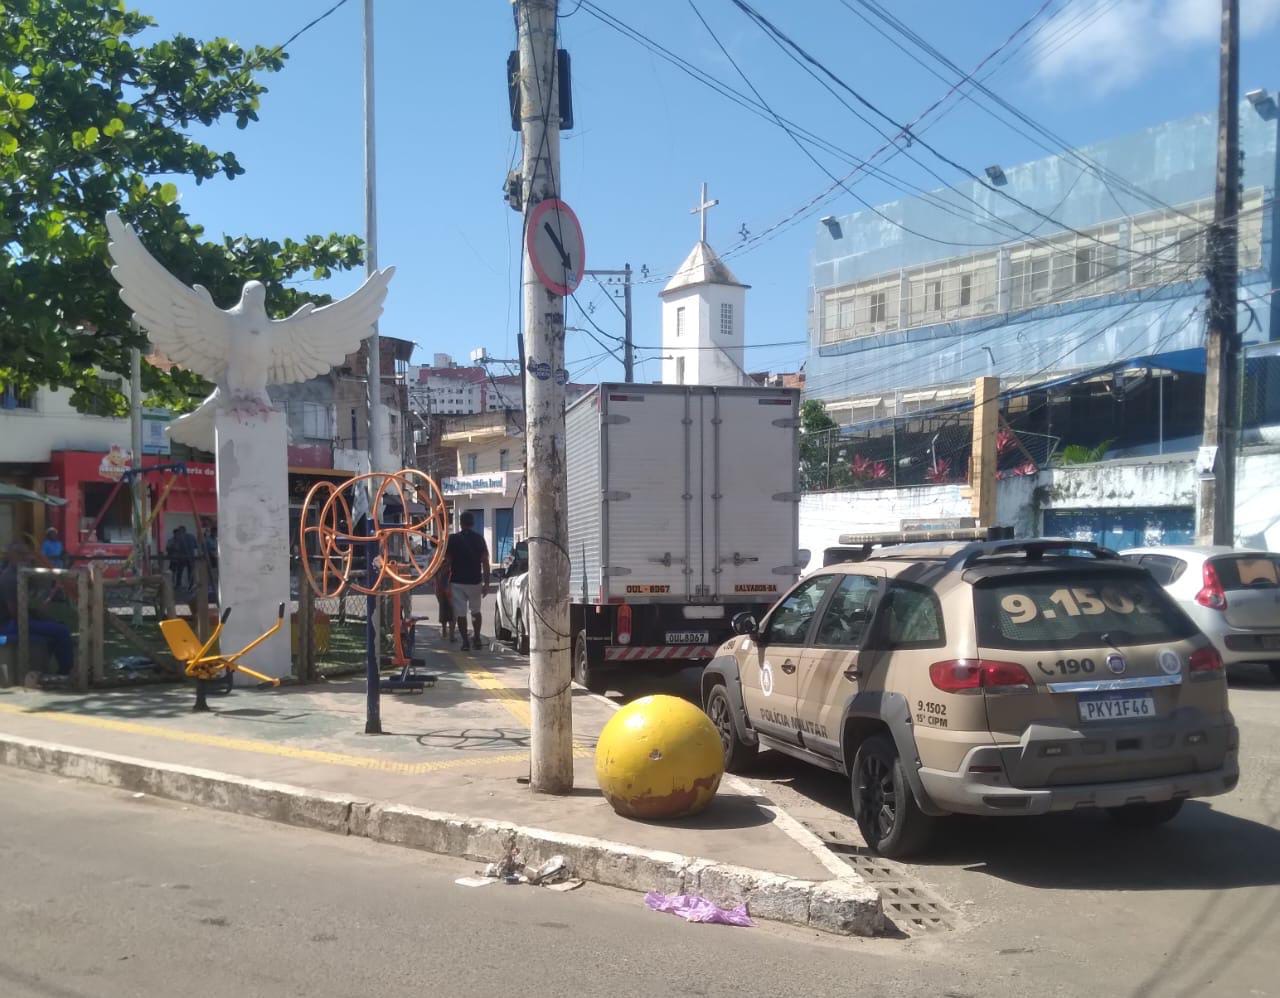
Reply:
x=680, y=321
x=12, y=398
x=726, y=319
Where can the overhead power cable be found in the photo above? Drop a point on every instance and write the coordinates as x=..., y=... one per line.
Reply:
x=781, y=36
x=1059, y=144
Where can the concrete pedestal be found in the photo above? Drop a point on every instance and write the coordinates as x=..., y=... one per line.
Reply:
x=253, y=534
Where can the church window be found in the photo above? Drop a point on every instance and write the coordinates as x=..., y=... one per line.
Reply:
x=680, y=321
x=726, y=319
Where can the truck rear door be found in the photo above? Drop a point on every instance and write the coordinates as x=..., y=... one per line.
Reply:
x=647, y=473
x=751, y=513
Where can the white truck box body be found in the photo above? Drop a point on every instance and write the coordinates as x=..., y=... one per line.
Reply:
x=683, y=494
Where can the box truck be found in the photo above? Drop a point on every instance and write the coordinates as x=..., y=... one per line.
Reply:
x=683, y=510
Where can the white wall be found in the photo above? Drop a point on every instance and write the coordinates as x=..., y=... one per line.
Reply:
x=1134, y=484
x=30, y=435
x=704, y=365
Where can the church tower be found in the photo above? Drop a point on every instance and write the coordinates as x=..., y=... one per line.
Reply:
x=703, y=317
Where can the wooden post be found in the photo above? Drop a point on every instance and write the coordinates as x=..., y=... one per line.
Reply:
x=98, y=623
x=306, y=664
x=166, y=595
x=24, y=628
x=200, y=605
x=84, y=635
x=982, y=468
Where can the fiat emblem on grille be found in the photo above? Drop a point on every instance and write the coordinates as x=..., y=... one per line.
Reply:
x=1116, y=663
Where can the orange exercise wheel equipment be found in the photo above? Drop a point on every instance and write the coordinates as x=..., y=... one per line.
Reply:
x=327, y=538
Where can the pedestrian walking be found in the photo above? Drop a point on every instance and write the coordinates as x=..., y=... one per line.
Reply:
x=469, y=577
x=180, y=551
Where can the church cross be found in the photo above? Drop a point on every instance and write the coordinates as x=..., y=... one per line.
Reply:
x=701, y=209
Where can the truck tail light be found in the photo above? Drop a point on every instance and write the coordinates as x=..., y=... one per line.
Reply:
x=1205, y=660
x=624, y=624
x=970, y=675
x=1211, y=594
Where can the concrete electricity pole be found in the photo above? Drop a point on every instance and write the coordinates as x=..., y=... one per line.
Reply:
x=379, y=433
x=1216, y=506
x=628, y=342
x=550, y=699
x=1217, y=498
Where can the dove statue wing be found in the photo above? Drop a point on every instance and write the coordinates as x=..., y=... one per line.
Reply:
x=314, y=340
x=182, y=323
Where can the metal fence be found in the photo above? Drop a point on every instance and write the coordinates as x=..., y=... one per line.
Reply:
x=1260, y=399
x=914, y=449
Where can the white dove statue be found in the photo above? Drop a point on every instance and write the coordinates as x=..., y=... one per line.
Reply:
x=240, y=349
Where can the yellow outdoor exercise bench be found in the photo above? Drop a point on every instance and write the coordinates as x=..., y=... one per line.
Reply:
x=202, y=666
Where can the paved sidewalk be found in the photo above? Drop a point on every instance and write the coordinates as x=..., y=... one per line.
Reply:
x=461, y=747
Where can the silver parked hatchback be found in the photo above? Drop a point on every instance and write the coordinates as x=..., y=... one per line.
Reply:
x=1232, y=594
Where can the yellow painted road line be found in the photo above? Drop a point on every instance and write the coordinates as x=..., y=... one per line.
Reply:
x=518, y=707
x=267, y=748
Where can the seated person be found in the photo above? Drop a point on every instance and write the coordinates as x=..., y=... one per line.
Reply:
x=56, y=633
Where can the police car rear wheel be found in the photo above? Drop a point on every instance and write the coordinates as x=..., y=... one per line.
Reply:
x=883, y=805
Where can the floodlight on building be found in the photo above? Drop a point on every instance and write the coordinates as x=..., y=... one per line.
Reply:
x=1262, y=102
x=996, y=176
x=833, y=225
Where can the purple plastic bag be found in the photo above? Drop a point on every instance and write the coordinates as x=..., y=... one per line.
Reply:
x=692, y=908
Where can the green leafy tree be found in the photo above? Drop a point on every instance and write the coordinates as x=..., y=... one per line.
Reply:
x=819, y=467
x=91, y=120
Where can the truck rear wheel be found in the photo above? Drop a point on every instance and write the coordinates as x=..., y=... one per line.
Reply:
x=584, y=673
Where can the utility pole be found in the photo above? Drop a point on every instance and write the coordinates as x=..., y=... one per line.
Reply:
x=628, y=343
x=136, y=485
x=379, y=435
x=550, y=699
x=1217, y=498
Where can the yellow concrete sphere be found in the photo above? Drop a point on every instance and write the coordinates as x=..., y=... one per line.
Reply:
x=659, y=757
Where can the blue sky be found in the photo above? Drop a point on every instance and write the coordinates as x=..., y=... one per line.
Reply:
x=646, y=136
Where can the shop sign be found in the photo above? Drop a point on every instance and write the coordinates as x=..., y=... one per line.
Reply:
x=154, y=439
x=115, y=463
x=475, y=484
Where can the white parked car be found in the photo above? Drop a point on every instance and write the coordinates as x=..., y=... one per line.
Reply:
x=1232, y=594
x=511, y=623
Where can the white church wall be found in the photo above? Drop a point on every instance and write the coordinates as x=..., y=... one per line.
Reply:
x=710, y=357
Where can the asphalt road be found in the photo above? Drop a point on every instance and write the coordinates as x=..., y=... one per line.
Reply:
x=1187, y=909
x=106, y=895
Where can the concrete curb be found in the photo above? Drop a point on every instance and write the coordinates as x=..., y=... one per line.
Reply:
x=845, y=905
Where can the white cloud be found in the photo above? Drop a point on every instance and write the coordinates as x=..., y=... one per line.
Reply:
x=1111, y=46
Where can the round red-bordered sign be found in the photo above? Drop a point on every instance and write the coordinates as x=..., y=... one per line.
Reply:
x=555, y=245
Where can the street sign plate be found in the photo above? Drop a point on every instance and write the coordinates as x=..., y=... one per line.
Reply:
x=555, y=245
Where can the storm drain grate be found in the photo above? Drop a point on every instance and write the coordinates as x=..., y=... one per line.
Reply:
x=909, y=904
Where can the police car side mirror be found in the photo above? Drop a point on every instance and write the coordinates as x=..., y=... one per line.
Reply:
x=744, y=623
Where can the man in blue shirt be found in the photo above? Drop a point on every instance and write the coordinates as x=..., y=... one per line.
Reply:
x=51, y=548
x=469, y=576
